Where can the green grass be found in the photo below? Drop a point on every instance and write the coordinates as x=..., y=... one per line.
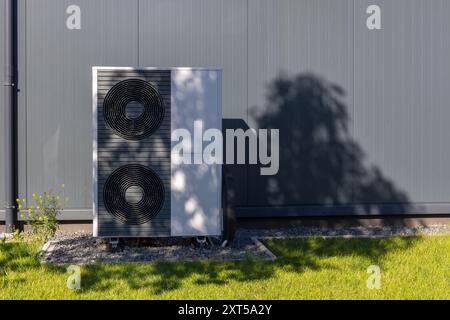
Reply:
x=313, y=268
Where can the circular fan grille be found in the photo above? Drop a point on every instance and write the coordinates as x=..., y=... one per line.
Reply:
x=133, y=91
x=137, y=177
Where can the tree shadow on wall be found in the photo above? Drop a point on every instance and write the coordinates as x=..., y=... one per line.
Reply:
x=320, y=162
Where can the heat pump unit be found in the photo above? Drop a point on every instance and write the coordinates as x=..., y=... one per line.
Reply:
x=139, y=190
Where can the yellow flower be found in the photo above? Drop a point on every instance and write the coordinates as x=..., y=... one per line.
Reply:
x=58, y=197
x=38, y=207
x=22, y=216
x=24, y=200
x=34, y=195
x=17, y=200
x=62, y=186
x=20, y=207
x=29, y=210
x=40, y=218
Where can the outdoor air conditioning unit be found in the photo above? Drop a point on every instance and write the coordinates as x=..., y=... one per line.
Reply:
x=139, y=191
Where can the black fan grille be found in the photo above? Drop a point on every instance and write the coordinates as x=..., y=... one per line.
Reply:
x=128, y=176
x=133, y=91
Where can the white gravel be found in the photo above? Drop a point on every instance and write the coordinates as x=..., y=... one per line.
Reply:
x=82, y=248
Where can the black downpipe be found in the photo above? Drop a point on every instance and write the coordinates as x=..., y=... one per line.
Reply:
x=10, y=106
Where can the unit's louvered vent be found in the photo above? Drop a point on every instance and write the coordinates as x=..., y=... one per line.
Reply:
x=133, y=92
x=133, y=194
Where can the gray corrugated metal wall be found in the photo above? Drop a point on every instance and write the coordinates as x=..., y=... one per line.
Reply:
x=201, y=33
x=59, y=86
x=388, y=88
x=2, y=160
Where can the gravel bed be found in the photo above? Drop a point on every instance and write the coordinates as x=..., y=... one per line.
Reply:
x=82, y=248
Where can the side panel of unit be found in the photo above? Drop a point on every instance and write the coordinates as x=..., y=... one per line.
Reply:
x=196, y=187
x=114, y=152
x=401, y=112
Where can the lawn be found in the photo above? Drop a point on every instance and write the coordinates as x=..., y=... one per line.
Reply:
x=310, y=268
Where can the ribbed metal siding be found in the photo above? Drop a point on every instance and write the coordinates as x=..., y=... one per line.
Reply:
x=114, y=151
x=402, y=81
x=289, y=39
x=202, y=33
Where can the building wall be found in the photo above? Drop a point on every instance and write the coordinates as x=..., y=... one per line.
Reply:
x=401, y=96
x=362, y=114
